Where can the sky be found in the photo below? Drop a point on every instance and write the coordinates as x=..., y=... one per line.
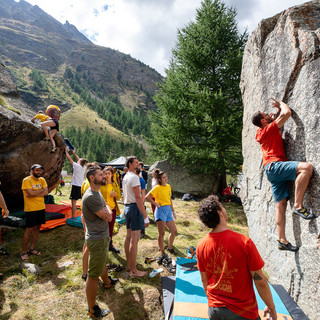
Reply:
x=147, y=29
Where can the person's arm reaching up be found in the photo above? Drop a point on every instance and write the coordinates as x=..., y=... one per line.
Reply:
x=283, y=114
x=68, y=156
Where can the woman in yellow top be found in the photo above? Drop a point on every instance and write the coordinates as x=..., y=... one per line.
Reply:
x=111, y=193
x=164, y=214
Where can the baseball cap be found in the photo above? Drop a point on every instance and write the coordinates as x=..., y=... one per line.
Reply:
x=36, y=166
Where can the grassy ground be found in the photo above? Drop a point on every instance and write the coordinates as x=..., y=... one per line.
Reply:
x=59, y=293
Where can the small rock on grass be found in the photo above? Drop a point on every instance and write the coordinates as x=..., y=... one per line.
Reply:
x=32, y=268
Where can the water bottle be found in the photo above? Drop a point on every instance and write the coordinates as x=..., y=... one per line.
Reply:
x=155, y=272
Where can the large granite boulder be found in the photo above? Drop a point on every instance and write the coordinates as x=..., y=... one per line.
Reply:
x=183, y=181
x=281, y=60
x=22, y=145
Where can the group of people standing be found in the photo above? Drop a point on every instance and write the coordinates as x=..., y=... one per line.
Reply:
x=99, y=210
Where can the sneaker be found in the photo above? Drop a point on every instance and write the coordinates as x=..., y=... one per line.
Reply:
x=98, y=313
x=172, y=251
x=142, y=234
x=303, y=213
x=287, y=246
x=115, y=250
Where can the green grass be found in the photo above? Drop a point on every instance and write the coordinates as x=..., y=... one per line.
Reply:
x=60, y=293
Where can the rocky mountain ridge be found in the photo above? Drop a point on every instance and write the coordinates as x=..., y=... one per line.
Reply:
x=30, y=39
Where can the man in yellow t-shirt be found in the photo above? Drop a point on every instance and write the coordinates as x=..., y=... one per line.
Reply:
x=34, y=188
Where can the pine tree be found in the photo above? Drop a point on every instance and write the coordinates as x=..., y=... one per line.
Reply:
x=199, y=116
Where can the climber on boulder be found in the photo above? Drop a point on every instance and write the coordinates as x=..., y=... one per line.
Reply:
x=280, y=171
x=53, y=112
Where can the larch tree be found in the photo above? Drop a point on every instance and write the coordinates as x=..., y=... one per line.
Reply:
x=199, y=118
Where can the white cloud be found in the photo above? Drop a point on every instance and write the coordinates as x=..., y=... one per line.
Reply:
x=147, y=29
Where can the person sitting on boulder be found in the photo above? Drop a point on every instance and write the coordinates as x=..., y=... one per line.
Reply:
x=279, y=170
x=53, y=113
x=40, y=116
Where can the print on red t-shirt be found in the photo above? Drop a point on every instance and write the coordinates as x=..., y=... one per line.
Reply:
x=227, y=258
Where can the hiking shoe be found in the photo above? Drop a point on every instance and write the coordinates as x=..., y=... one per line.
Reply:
x=172, y=251
x=98, y=312
x=303, y=213
x=287, y=246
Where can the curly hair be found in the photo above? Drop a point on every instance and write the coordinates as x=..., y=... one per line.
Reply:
x=208, y=211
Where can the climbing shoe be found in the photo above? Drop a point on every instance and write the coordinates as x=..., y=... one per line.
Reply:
x=304, y=213
x=98, y=312
x=287, y=246
x=172, y=251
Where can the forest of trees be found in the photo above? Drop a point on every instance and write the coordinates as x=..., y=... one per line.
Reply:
x=94, y=147
x=108, y=108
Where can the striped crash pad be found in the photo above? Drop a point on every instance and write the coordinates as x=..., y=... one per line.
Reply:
x=191, y=303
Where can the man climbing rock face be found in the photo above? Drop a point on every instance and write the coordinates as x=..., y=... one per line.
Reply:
x=279, y=170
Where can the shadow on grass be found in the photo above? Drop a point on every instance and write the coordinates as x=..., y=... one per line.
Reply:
x=12, y=305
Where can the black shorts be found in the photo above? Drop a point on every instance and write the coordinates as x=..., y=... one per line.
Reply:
x=35, y=218
x=56, y=126
x=75, y=193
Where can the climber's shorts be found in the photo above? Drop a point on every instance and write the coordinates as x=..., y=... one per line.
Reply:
x=279, y=173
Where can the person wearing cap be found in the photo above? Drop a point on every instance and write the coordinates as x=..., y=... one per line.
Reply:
x=34, y=188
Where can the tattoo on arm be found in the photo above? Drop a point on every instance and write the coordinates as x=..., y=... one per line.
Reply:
x=256, y=277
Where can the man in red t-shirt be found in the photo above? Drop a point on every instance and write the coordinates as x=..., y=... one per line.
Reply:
x=228, y=261
x=279, y=170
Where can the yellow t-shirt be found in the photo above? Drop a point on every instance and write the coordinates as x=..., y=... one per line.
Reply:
x=105, y=191
x=33, y=203
x=42, y=117
x=115, y=177
x=162, y=194
x=85, y=186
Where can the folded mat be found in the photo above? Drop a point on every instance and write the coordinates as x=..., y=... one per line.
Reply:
x=57, y=208
x=54, y=215
x=75, y=222
x=190, y=301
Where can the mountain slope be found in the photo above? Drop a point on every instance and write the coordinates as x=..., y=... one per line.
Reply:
x=54, y=63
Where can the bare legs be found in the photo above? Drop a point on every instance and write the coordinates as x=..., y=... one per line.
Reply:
x=281, y=207
x=73, y=207
x=131, y=250
x=161, y=231
x=92, y=288
x=49, y=135
x=304, y=173
x=30, y=234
